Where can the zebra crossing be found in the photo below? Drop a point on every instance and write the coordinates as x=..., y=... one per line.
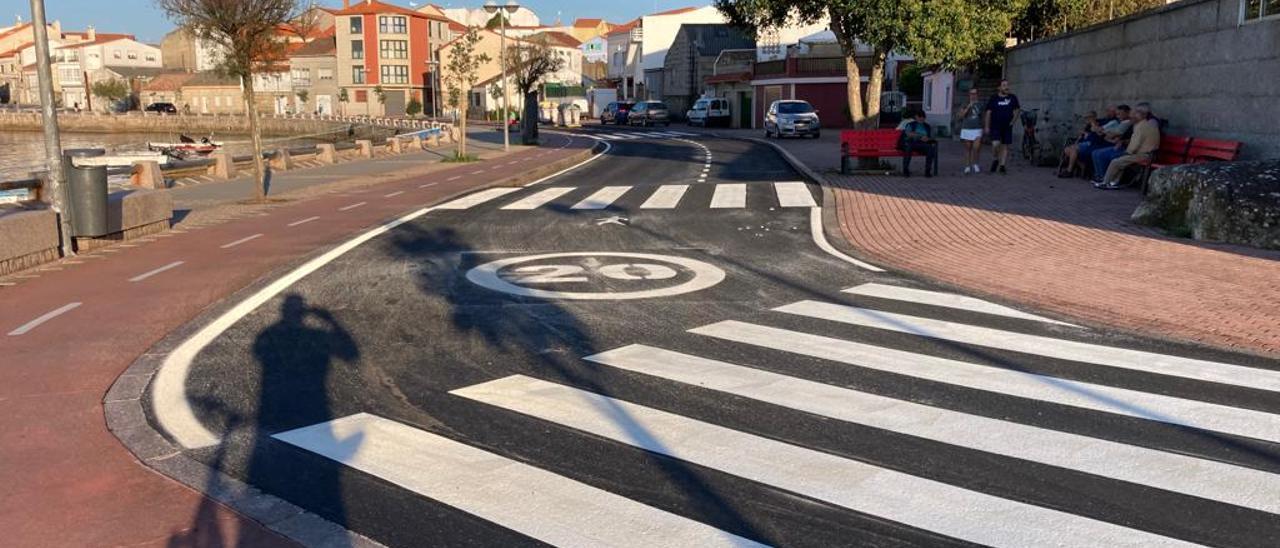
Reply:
x=629, y=135
x=785, y=194
x=552, y=507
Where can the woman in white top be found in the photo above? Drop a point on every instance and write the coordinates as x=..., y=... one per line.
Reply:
x=971, y=132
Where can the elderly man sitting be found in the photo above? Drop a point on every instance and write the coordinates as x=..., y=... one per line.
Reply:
x=1143, y=143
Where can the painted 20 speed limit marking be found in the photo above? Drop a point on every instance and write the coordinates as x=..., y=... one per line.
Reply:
x=598, y=275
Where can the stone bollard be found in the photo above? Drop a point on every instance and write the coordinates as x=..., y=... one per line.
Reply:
x=282, y=161
x=365, y=147
x=326, y=153
x=417, y=142
x=224, y=167
x=147, y=174
x=393, y=145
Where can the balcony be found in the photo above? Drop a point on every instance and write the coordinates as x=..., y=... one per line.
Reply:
x=807, y=67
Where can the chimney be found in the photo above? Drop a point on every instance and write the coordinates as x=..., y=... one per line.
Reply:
x=346, y=4
x=90, y=34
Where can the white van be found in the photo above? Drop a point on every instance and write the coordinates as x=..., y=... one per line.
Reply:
x=709, y=111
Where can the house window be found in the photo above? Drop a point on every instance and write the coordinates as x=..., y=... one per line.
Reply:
x=393, y=24
x=151, y=57
x=357, y=75
x=395, y=74
x=133, y=54
x=357, y=25
x=357, y=49
x=115, y=53
x=301, y=77
x=324, y=74
x=393, y=49
x=362, y=96
x=69, y=76
x=1258, y=9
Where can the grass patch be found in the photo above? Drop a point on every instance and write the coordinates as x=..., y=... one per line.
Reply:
x=456, y=158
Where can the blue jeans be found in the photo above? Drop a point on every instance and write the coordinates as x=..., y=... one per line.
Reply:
x=1102, y=158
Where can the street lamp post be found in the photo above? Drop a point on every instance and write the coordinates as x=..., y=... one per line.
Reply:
x=52, y=140
x=510, y=7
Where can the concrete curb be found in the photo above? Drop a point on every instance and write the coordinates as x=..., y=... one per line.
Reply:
x=126, y=412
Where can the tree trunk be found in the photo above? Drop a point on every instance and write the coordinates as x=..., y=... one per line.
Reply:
x=462, y=132
x=874, y=84
x=259, y=172
x=853, y=89
x=529, y=125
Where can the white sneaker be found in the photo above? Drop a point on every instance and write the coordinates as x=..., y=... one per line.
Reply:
x=967, y=169
x=976, y=169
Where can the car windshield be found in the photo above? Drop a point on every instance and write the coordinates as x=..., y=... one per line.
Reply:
x=794, y=108
x=657, y=106
x=624, y=106
x=700, y=105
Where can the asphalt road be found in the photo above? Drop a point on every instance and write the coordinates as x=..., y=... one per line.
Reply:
x=611, y=358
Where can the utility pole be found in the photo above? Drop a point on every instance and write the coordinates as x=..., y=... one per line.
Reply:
x=52, y=142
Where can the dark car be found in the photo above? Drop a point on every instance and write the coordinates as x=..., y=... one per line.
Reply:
x=163, y=108
x=616, y=112
x=649, y=113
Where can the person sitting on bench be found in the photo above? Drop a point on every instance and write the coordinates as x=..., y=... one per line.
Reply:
x=917, y=137
x=1143, y=143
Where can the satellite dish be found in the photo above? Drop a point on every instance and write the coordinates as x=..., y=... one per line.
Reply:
x=892, y=101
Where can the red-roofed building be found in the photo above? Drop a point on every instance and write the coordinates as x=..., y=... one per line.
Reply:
x=385, y=56
x=585, y=29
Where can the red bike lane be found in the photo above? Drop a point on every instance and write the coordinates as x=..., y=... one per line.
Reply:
x=66, y=336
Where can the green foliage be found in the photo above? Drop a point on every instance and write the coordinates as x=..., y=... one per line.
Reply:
x=342, y=95
x=112, y=90
x=380, y=93
x=414, y=107
x=459, y=158
x=911, y=82
x=497, y=20
x=461, y=71
x=1044, y=18
x=302, y=95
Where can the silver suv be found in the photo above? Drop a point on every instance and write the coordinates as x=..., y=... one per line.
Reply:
x=792, y=117
x=649, y=113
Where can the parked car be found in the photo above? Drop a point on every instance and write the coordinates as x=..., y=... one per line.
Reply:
x=791, y=117
x=709, y=111
x=649, y=113
x=616, y=113
x=163, y=108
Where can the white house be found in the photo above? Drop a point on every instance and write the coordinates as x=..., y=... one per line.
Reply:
x=656, y=33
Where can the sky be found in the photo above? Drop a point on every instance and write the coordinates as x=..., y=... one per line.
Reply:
x=148, y=23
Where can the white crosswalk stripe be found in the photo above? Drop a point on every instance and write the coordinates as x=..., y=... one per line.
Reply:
x=540, y=504
x=538, y=199
x=794, y=194
x=1019, y=447
x=861, y=487
x=477, y=198
x=602, y=198
x=666, y=197
x=729, y=195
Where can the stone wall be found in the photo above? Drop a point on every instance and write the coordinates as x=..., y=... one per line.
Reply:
x=1193, y=60
x=193, y=124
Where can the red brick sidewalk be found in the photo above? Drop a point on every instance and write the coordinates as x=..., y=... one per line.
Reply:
x=1062, y=246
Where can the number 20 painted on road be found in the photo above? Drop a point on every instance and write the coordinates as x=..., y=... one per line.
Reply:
x=566, y=273
x=657, y=273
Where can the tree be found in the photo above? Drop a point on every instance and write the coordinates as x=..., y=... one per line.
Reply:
x=380, y=94
x=1044, y=18
x=245, y=30
x=497, y=21
x=528, y=63
x=112, y=91
x=938, y=33
x=414, y=107
x=460, y=74
x=302, y=96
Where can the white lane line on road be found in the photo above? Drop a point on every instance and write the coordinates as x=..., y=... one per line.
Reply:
x=477, y=172
x=302, y=221
x=729, y=195
x=1124, y=358
x=543, y=505
x=240, y=241
x=1096, y=397
x=607, y=147
x=1169, y=471
x=602, y=198
x=151, y=273
x=352, y=206
x=538, y=199
x=794, y=194
x=948, y=300
x=454, y=178
x=428, y=185
x=24, y=328
x=478, y=198
x=820, y=238
x=865, y=488
x=666, y=197
x=393, y=194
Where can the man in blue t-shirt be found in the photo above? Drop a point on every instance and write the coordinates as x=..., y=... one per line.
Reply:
x=1002, y=110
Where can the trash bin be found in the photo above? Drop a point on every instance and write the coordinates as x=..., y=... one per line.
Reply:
x=86, y=192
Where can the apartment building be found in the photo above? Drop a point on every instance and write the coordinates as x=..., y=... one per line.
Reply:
x=384, y=57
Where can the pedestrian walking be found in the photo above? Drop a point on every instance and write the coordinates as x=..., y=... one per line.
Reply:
x=1002, y=109
x=971, y=132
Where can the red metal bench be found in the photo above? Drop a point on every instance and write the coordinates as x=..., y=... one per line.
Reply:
x=1213, y=150
x=869, y=143
x=1175, y=150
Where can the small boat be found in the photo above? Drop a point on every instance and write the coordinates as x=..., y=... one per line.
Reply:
x=124, y=158
x=186, y=147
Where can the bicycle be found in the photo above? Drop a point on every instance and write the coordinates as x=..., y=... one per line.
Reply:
x=1030, y=144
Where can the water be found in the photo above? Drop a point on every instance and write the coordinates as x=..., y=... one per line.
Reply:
x=22, y=152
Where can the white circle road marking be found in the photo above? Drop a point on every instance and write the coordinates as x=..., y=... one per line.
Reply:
x=704, y=276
